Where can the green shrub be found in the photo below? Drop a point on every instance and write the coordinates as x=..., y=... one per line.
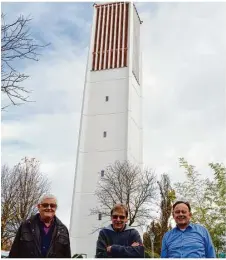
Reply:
x=148, y=254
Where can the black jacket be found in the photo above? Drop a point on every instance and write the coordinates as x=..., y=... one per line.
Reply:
x=27, y=243
x=120, y=243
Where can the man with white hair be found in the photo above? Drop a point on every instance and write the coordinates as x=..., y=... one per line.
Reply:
x=43, y=235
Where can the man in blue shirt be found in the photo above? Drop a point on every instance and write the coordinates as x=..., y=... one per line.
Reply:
x=186, y=240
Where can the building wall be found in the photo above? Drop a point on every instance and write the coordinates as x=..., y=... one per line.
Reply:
x=119, y=117
x=84, y=227
x=136, y=46
x=96, y=152
x=134, y=134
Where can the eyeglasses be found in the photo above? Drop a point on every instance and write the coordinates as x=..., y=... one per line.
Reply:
x=51, y=205
x=182, y=211
x=117, y=216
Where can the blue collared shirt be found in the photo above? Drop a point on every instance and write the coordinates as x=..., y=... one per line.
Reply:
x=193, y=242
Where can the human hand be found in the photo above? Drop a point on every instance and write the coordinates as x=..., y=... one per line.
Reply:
x=135, y=244
x=109, y=249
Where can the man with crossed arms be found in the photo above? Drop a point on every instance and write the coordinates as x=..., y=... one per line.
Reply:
x=119, y=240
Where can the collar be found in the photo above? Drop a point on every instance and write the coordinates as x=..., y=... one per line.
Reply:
x=190, y=225
x=127, y=227
x=43, y=223
x=119, y=230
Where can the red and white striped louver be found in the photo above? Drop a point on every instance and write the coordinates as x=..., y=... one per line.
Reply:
x=110, y=49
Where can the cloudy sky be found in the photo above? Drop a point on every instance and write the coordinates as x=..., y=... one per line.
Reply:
x=184, y=108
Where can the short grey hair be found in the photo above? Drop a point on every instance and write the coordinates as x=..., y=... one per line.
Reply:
x=47, y=196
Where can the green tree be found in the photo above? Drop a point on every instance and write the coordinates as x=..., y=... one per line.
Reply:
x=156, y=229
x=216, y=193
x=148, y=254
x=207, y=199
x=193, y=190
x=219, y=186
x=161, y=224
x=167, y=196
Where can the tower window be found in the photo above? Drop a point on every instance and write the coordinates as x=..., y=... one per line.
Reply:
x=106, y=98
x=99, y=216
x=102, y=173
x=105, y=134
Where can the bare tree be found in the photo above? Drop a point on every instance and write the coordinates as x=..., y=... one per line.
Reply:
x=126, y=183
x=16, y=44
x=21, y=188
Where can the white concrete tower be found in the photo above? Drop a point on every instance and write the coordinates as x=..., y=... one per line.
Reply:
x=111, y=120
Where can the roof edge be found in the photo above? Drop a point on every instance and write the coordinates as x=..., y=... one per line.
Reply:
x=107, y=3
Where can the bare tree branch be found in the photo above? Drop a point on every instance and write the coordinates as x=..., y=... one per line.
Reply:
x=16, y=44
x=21, y=188
x=126, y=183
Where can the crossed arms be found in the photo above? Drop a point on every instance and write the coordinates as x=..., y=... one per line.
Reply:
x=105, y=249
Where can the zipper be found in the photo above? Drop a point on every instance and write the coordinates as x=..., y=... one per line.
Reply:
x=33, y=234
x=51, y=244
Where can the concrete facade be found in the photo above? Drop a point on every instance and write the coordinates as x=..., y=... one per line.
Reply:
x=111, y=120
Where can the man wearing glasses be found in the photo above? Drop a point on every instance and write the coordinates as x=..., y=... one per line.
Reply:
x=186, y=240
x=118, y=240
x=43, y=235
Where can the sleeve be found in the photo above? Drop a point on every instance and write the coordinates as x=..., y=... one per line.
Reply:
x=15, y=249
x=101, y=247
x=209, y=248
x=129, y=251
x=164, y=252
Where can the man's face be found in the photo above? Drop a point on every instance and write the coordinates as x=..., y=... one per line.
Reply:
x=182, y=215
x=47, y=208
x=119, y=219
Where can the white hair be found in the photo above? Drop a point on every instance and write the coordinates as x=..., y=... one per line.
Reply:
x=47, y=196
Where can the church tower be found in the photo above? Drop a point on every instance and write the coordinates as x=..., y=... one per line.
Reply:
x=111, y=119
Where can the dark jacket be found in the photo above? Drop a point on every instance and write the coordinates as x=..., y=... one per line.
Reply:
x=120, y=243
x=27, y=243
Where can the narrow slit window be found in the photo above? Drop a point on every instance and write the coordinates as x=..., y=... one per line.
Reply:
x=105, y=134
x=102, y=173
x=106, y=98
x=99, y=216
